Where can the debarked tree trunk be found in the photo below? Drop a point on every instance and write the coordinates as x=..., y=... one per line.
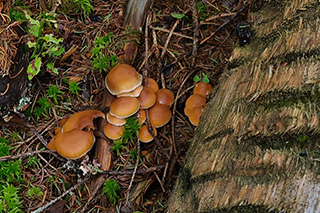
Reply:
x=257, y=145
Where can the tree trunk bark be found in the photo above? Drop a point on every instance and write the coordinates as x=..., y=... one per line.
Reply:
x=257, y=145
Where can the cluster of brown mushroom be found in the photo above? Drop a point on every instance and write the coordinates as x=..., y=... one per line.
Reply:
x=74, y=136
x=196, y=102
x=134, y=96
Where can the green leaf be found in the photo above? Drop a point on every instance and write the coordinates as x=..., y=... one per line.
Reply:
x=177, y=15
x=52, y=39
x=205, y=78
x=196, y=78
x=107, y=18
x=34, y=67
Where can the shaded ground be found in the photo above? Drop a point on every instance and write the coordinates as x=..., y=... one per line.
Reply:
x=39, y=178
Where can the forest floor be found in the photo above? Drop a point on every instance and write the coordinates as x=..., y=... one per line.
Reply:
x=178, y=43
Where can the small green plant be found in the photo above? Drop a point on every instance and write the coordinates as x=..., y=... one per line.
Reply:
x=10, y=173
x=118, y=146
x=54, y=93
x=10, y=201
x=44, y=47
x=45, y=104
x=102, y=61
x=84, y=6
x=33, y=162
x=133, y=154
x=131, y=129
x=204, y=78
x=34, y=191
x=111, y=189
x=74, y=88
x=202, y=10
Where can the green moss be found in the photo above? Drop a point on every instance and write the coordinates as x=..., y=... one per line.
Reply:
x=185, y=180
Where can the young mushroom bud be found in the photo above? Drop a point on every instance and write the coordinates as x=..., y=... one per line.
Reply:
x=202, y=89
x=195, y=101
x=159, y=115
x=194, y=115
x=124, y=107
x=152, y=84
x=147, y=98
x=144, y=134
x=165, y=97
x=113, y=132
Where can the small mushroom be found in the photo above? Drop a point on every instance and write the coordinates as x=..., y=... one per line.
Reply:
x=144, y=134
x=74, y=144
x=195, y=101
x=115, y=121
x=147, y=98
x=142, y=116
x=124, y=107
x=159, y=115
x=195, y=114
x=135, y=93
x=165, y=97
x=152, y=84
x=202, y=89
x=82, y=120
x=122, y=78
x=113, y=132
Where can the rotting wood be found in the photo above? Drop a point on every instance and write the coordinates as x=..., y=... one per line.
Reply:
x=247, y=150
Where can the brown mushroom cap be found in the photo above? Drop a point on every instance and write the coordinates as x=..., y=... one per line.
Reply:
x=82, y=119
x=113, y=132
x=122, y=78
x=142, y=116
x=124, y=107
x=147, y=98
x=152, y=84
x=186, y=111
x=159, y=115
x=144, y=134
x=63, y=121
x=135, y=93
x=194, y=115
x=202, y=88
x=165, y=97
x=74, y=144
x=195, y=101
x=115, y=121
x=51, y=144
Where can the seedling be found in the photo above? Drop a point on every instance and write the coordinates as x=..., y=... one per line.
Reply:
x=131, y=130
x=46, y=46
x=84, y=6
x=101, y=61
x=111, y=189
x=74, y=88
x=34, y=191
x=54, y=93
x=33, y=162
x=118, y=146
x=204, y=78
